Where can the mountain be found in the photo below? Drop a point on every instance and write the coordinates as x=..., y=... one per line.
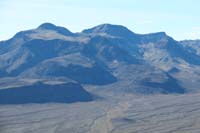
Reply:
x=105, y=56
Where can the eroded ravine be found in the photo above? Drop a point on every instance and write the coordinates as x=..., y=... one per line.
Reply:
x=104, y=124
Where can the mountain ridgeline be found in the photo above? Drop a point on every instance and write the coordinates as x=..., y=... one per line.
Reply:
x=107, y=55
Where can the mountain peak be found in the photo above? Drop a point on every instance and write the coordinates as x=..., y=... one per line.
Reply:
x=155, y=36
x=48, y=26
x=159, y=34
x=61, y=30
x=114, y=30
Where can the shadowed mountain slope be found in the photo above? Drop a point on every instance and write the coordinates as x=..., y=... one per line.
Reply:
x=44, y=93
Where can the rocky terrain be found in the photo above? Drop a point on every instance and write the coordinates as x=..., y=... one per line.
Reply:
x=103, y=79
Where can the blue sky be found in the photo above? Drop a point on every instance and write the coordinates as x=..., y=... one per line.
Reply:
x=178, y=18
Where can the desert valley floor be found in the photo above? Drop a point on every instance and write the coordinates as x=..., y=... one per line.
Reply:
x=113, y=114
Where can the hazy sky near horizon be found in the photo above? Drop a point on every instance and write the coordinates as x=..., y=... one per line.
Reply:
x=178, y=18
